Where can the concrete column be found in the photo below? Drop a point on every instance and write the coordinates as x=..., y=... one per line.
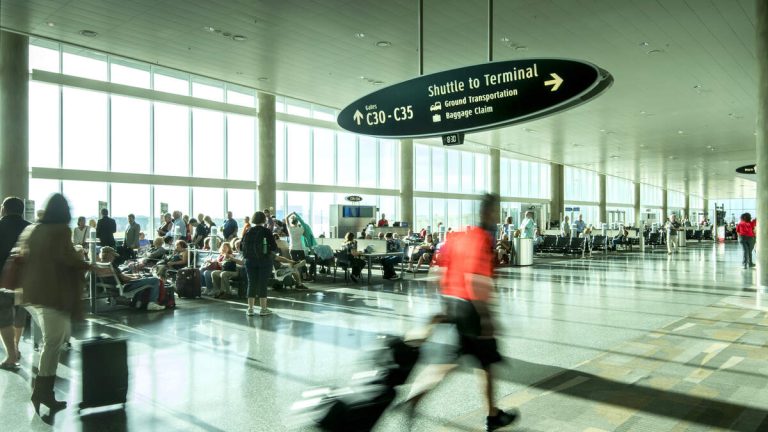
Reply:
x=557, y=193
x=762, y=142
x=687, y=207
x=664, y=209
x=496, y=176
x=267, y=177
x=603, y=206
x=705, y=204
x=14, y=115
x=637, y=205
x=406, y=182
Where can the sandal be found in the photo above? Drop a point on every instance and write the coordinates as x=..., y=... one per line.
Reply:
x=10, y=366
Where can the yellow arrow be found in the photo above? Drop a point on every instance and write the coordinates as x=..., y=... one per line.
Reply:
x=555, y=83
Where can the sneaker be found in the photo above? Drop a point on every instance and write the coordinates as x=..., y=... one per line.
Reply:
x=250, y=312
x=265, y=312
x=501, y=419
x=152, y=306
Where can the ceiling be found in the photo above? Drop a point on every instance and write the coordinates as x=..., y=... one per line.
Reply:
x=681, y=113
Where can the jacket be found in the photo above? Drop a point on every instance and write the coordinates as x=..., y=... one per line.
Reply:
x=53, y=273
x=105, y=231
x=132, y=236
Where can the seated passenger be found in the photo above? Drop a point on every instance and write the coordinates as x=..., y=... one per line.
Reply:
x=503, y=250
x=423, y=254
x=620, y=238
x=221, y=278
x=356, y=264
x=155, y=253
x=133, y=283
x=214, y=263
x=177, y=261
x=388, y=263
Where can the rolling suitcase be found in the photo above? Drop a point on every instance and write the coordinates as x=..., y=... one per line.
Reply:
x=188, y=283
x=104, y=372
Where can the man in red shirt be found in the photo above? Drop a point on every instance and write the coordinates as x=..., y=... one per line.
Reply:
x=466, y=286
x=383, y=222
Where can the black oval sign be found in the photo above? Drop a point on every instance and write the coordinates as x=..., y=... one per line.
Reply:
x=475, y=98
x=747, y=169
x=354, y=198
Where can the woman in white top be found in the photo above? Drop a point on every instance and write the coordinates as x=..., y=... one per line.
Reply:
x=80, y=233
x=295, y=234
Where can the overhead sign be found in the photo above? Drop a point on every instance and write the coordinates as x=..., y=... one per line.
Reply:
x=474, y=98
x=354, y=198
x=747, y=169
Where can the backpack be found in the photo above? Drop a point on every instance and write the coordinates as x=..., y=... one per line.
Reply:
x=255, y=245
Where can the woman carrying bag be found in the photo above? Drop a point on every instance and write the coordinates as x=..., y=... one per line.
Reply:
x=52, y=278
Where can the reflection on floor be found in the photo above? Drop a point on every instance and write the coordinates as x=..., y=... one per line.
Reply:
x=624, y=341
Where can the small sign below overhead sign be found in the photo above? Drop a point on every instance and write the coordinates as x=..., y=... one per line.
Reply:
x=747, y=169
x=354, y=198
x=453, y=139
x=475, y=98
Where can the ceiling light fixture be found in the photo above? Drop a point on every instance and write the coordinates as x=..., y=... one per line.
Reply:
x=644, y=44
x=504, y=39
x=262, y=79
x=51, y=24
x=529, y=130
x=209, y=29
x=680, y=132
x=239, y=38
x=672, y=157
x=383, y=44
x=521, y=48
x=88, y=33
x=377, y=82
x=655, y=51
x=614, y=156
x=360, y=35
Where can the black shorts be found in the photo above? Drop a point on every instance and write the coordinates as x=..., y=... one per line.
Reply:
x=464, y=316
x=10, y=315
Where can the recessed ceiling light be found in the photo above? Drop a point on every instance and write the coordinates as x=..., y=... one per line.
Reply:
x=226, y=34
x=262, y=79
x=655, y=51
x=673, y=157
x=88, y=33
x=644, y=44
x=529, y=130
x=360, y=35
x=504, y=39
x=377, y=82
x=383, y=44
x=680, y=132
x=614, y=156
x=51, y=24
x=697, y=86
x=521, y=48
x=209, y=29
x=239, y=38
x=642, y=145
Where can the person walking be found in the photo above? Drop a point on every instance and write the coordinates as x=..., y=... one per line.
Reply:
x=566, y=229
x=746, y=231
x=12, y=318
x=52, y=278
x=467, y=287
x=132, y=233
x=259, y=249
x=106, y=229
x=672, y=226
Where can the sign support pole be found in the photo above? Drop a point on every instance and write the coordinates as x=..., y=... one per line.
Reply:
x=421, y=37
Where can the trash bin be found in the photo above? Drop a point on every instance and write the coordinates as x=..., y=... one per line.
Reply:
x=523, y=251
x=681, y=238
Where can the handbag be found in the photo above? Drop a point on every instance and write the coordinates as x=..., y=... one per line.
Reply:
x=12, y=269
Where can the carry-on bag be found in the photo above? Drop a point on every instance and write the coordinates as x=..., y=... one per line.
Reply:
x=104, y=372
x=188, y=283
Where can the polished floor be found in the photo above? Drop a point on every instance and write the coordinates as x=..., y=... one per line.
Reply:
x=624, y=341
